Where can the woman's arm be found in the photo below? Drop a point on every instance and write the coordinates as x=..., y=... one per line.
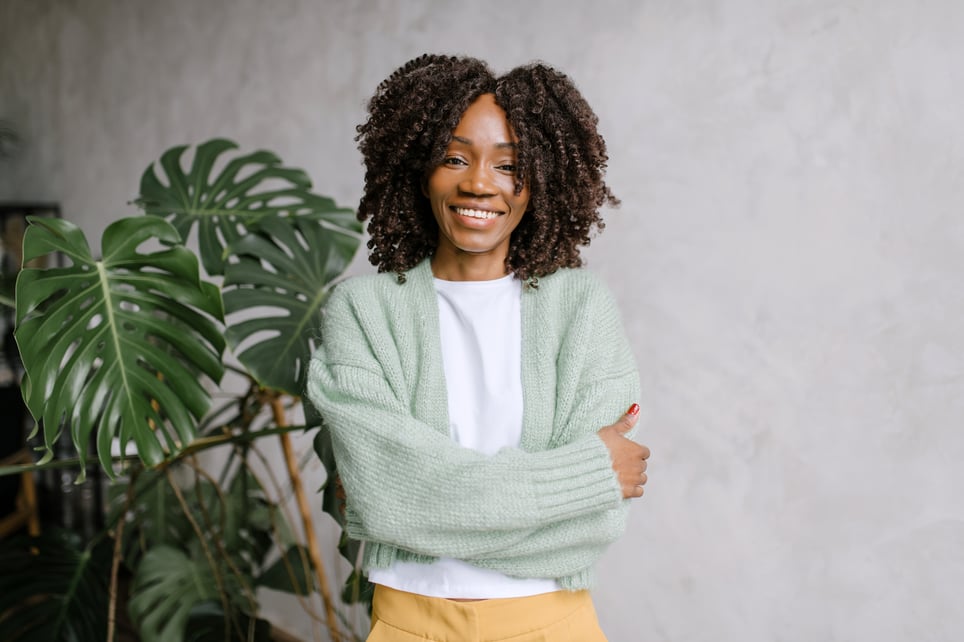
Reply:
x=413, y=487
x=559, y=550
x=564, y=548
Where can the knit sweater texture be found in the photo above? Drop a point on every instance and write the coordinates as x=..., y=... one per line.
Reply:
x=547, y=509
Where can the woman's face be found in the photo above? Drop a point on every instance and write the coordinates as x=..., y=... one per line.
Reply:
x=473, y=197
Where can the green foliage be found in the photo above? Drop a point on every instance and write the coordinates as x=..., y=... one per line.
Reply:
x=167, y=585
x=54, y=588
x=284, y=270
x=198, y=555
x=225, y=206
x=278, y=245
x=128, y=346
x=115, y=345
x=178, y=568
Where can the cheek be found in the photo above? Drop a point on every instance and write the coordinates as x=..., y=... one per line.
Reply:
x=433, y=198
x=435, y=184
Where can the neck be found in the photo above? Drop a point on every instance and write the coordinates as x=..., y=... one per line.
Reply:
x=467, y=267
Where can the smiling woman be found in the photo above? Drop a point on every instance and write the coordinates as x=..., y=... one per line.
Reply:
x=476, y=394
x=560, y=157
x=474, y=196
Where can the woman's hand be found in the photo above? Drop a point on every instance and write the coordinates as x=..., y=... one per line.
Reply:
x=629, y=458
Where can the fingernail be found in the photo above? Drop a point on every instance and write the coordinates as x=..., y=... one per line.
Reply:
x=633, y=410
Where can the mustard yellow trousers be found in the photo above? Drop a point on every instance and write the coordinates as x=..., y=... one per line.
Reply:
x=562, y=616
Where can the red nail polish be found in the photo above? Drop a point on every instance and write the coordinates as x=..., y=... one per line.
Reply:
x=633, y=409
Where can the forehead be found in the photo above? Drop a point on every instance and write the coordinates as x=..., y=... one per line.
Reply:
x=484, y=123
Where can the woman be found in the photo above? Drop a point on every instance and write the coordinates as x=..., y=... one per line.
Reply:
x=470, y=386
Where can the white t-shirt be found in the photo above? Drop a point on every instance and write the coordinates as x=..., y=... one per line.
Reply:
x=480, y=325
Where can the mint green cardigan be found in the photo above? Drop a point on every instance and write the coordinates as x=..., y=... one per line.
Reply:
x=547, y=509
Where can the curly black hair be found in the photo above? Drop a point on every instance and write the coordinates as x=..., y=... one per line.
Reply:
x=561, y=156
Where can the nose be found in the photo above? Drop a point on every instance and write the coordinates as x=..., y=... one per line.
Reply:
x=477, y=181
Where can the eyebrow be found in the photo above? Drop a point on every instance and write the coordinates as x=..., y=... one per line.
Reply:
x=466, y=141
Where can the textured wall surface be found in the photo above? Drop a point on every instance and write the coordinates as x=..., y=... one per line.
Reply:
x=789, y=256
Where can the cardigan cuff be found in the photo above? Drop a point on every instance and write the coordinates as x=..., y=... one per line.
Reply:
x=575, y=479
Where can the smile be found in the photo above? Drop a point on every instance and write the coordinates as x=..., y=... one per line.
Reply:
x=461, y=211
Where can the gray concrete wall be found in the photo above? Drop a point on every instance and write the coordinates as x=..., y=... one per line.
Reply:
x=789, y=255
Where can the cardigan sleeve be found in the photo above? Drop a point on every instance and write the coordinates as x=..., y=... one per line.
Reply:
x=560, y=550
x=411, y=486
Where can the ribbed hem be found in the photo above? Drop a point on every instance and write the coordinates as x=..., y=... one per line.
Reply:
x=384, y=555
x=583, y=580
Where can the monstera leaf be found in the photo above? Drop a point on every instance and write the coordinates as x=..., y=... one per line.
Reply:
x=226, y=205
x=284, y=272
x=116, y=345
x=168, y=584
x=54, y=587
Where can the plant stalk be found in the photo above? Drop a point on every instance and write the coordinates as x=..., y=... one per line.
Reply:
x=314, y=551
x=115, y=560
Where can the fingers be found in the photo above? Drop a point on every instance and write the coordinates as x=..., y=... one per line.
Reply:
x=637, y=489
x=633, y=482
x=631, y=470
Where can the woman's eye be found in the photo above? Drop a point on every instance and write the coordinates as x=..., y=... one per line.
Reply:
x=454, y=160
x=506, y=168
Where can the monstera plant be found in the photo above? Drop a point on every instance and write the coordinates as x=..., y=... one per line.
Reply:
x=125, y=352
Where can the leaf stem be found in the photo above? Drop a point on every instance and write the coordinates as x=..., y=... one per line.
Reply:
x=199, y=445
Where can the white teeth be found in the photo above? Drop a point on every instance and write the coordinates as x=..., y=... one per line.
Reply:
x=476, y=213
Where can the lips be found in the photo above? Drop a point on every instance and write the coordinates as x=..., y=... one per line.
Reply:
x=474, y=213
